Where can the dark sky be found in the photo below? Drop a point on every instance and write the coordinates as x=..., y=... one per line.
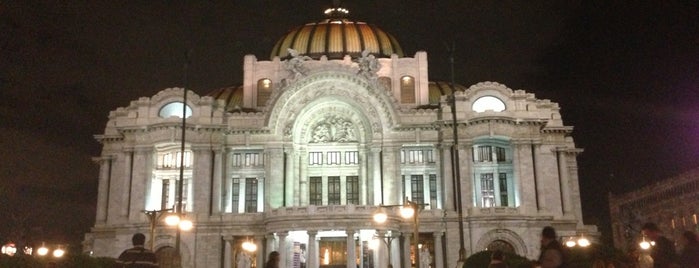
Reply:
x=626, y=75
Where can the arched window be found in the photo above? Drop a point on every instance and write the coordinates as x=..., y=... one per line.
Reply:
x=407, y=89
x=174, y=109
x=487, y=103
x=493, y=174
x=264, y=90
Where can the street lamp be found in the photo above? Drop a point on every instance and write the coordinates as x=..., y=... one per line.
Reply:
x=171, y=219
x=581, y=242
x=408, y=210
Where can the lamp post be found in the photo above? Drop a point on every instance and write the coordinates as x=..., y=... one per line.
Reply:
x=387, y=239
x=154, y=216
x=408, y=210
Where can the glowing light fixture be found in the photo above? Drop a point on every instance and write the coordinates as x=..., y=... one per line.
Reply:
x=644, y=244
x=583, y=242
x=407, y=211
x=186, y=225
x=249, y=246
x=380, y=215
x=43, y=250
x=59, y=252
x=172, y=220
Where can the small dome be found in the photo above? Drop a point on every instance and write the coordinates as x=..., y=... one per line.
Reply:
x=336, y=37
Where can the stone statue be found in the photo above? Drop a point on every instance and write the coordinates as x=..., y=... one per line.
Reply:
x=295, y=65
x=425, y=257
x=368, y=65
x=244, y=260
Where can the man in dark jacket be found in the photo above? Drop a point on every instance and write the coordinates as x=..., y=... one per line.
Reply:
x=552, y=254
x=663, y=252
x=137, y=256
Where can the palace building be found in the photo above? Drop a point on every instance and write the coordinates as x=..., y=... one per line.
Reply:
x=337, y=125
x=672, y=204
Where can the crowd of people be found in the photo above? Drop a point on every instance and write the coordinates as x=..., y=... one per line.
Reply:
x=663, y=253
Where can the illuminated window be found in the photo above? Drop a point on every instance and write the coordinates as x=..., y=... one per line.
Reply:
x=487, y=190
x=315, y=191
x=351, y=158
x=162, y=193
x=334, y=190
x=353, y=190
x=174, y=109
x=315, y=158
x=174, y=160
x=486, y=103
x=494, y=173
x=250, y=195
x=264, y=90
x=333, y=158
x=407, y=89
x=417, y=194
x=418, y=155
x=247, y=159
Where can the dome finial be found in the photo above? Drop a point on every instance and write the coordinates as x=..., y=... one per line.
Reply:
x=337, y=11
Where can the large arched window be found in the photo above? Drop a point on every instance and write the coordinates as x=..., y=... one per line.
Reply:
x=174, y=109
x=493, y=174
x=264, y=90
x=407, y=89
x=488, y=103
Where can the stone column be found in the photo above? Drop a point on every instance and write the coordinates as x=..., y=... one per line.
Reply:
x=524, y=183
x=140, y=183
x=351, y=249
x=407, y=242
x=312, y=260
x=284, y=250
x=126, y=183
x=363, y=175
x=200, y=182
x=270, y=240
x=448, y=194
x=393, y=194
x=260, y=258
x=219, y=182
x=565, y=180
x=300, y=160
x=382, y=250
x=227, y=252
x=103, y=188
x=275, y=174
x=438, y=253
x=374, y=182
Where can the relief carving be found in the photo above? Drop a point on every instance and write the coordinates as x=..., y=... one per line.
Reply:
x=333, y=129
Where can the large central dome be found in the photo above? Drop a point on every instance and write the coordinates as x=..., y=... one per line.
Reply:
x=336, y=37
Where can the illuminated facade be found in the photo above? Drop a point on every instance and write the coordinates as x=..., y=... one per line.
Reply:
x=673, y=204
x=299, y=157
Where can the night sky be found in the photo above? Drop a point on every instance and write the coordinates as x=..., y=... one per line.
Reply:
x=626, y=74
